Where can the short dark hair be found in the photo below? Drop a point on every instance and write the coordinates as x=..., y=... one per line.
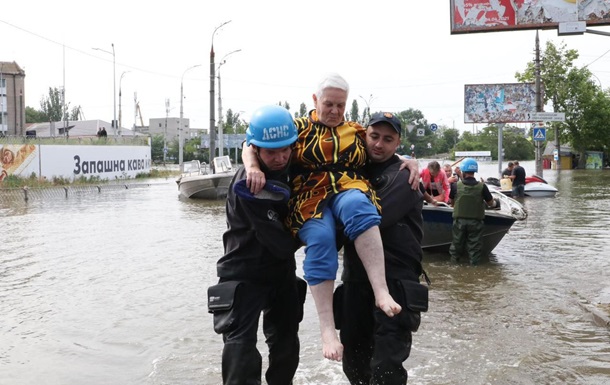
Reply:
x=510, y=164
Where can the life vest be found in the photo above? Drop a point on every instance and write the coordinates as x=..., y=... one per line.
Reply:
x=469, y=201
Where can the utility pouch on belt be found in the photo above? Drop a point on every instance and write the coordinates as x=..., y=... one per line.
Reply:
x=416, y=295
x=222, y=296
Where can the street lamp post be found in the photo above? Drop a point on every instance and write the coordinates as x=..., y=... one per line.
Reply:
x=220, y=122
x=120, y=106
x=368, y=103
x=212, y=81
x=114, y=122
x=180, y=145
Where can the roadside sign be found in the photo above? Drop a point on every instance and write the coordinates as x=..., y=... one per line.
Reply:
x=555, y=154
x=421, y=132
x=539, y=133
x=433, y=127
x=546, y=116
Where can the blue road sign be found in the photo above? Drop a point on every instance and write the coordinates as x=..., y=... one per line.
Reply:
x=433, y=127
x=540, y=133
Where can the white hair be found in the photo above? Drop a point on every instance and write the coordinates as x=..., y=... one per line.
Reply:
x=332, y=80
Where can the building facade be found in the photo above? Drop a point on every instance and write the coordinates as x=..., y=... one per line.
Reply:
x=168, y=127
x=12, y=99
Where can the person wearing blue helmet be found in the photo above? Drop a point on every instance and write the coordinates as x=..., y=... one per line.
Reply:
x=468, y=202
x=257, y=274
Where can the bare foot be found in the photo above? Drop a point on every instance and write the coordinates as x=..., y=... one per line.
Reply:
x=332, y=348
x=386, y=303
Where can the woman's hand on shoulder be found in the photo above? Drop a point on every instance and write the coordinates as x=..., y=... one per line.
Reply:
x=413, y=166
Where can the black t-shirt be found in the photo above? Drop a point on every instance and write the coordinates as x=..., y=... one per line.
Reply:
x=519, y=173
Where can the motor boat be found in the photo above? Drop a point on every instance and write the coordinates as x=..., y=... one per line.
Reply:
x=438, y=224
x=535, y=186
x=197, y=181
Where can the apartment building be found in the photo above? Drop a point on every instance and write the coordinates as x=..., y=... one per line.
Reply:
x=12, y=99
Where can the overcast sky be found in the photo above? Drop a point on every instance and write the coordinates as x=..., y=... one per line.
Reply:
x=395, y=54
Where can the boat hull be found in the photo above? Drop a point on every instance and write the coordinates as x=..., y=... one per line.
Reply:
x=438, y=229
x=214, y=186
x=535, y=190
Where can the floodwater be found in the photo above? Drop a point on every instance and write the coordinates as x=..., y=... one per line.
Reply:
x=110, y=288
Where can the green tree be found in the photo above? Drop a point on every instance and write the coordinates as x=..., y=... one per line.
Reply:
x=234, y=124
x=354, y=116
x=52, y=105
x=33, y=115
x=156, y=148
x=451, y=136
x=416, y=118
x=571, y=90
x=302, y=111
x=286, y=105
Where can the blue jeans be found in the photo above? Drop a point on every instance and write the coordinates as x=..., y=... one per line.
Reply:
x=518, y=191
x=355, y=212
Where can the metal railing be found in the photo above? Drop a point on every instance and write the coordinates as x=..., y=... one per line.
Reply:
x=20, y=195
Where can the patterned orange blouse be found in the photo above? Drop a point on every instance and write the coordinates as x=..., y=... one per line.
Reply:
x=325, y=161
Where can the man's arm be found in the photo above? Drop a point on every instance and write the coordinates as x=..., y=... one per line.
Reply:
x=255, y=178
x=488, y=198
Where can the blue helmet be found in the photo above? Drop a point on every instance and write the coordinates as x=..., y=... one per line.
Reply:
x=271, y=127
x=470, y=165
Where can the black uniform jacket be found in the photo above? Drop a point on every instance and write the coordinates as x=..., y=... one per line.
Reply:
x=401, y=225
x=257, y=245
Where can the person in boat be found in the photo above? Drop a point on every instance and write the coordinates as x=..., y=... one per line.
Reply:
x=375, y=346
x=329, y=187
x=452, y=177
x=469, y=214
x=518, y=178
x=435, y=182
x=257, y=272
x=508, y=171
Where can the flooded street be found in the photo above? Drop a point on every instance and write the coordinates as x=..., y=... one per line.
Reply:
x=110, y=288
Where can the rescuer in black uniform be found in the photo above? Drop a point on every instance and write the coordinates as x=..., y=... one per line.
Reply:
x=257, y=272
x=375, y=345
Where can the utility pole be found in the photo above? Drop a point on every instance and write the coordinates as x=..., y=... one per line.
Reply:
x=212, y=93
x=165, y=131
x=220, y=122
x=135, y=111
x=539, y=107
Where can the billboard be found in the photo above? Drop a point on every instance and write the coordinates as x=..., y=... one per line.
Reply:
x=73, y=161
x=499, y=103
x=506, y=15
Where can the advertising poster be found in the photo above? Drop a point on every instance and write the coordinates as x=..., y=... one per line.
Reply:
x=594, y=160
x=106, y=162
x=499, y=103
x=501, y=15
x=18, y=159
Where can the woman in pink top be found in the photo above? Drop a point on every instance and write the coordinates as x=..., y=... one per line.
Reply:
x=435, y=182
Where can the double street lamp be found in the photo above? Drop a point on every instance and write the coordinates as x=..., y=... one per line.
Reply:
x=180, y=144
x=114, y=122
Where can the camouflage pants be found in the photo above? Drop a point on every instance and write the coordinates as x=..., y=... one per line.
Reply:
x=467, y=237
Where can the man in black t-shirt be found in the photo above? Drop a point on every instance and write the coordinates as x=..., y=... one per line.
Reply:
x=518, y=177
